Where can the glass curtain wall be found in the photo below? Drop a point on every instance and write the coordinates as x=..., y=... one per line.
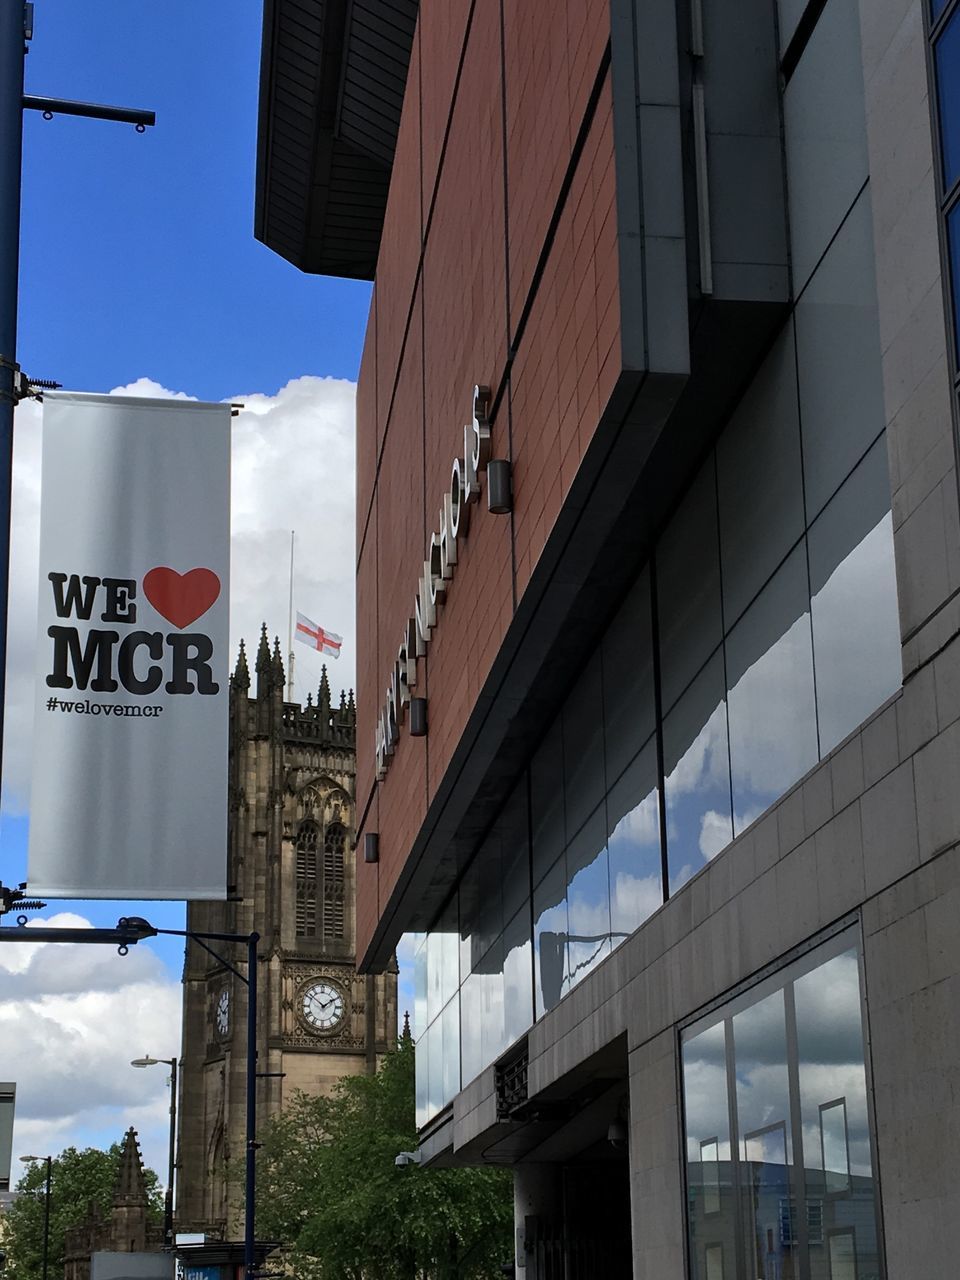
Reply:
x=779, y=1168
x=944, y=20
x=762, y=631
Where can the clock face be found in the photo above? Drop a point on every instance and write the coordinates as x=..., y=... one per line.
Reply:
x=223, y=1012
x=322, y=1005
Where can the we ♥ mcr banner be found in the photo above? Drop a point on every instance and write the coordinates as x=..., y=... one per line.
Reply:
x=129, y=784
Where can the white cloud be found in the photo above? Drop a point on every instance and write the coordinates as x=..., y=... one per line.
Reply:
x=634, y=899
x=293, y=468
x=714, y=833
x=71, y=1018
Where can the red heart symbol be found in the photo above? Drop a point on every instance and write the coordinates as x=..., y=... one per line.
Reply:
x=181, y=598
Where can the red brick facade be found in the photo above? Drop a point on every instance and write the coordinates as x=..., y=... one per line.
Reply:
x=500, y=240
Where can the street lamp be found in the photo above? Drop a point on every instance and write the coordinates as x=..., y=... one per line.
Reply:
x=46, y=1209
x=147, y=1061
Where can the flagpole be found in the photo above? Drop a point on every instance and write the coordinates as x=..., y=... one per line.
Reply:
x=290, y=626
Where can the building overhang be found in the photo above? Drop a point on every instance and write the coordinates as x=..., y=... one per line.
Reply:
x=332, y=80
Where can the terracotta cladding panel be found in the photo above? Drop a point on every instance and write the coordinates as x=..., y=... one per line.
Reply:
x=464, y=260
x=550, y=70
x=367, y=433
x=400, y=507
x=400, y=243
x=442, y=26
x=368, y=881
x=568, y=361
x=368, y=678
x=403, y=807
x=470, y=629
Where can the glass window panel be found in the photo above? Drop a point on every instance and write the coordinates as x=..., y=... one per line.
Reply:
x=838, y=354
x=517, y=976
x=953, y=238
x=714, y=1262
x=697, y=775
x=629, y=713
x=435, y=1067
x=481, y=903
x=583, y=780
x=773, y=729
x=450, y=1022
x=588, y=897
x=420, y=1019
x=856, y=624
x=422, y=1071
x=550, y=938
x=546, y=802
x=792, y=1046
x=710, y=1164
x=936, y=8
x=843, y=1255
x=491, y=1004
x=434, y=972
x=513, y=827
x=759, y=479
x=633, y=845
x=471, y=1055
x=688, y=587
x=825, y=133
x=834, y=1152
x=711, y=1205
x=763, y=1119
x=946, y=53
x=448, y=930
x=830, y=1051
x=469, y=897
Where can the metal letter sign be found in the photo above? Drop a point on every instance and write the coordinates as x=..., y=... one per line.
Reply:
x=129, y=788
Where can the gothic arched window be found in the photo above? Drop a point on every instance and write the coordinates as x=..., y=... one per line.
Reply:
x=308, y=837
x=320, y=883
x=333, y=887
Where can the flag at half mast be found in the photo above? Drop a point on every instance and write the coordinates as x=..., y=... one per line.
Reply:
x=317, y=638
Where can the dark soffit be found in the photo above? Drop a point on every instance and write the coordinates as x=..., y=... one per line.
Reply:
x=332, y=79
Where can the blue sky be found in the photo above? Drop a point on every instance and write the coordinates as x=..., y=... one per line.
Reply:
x=138, y=253
x=138, y=261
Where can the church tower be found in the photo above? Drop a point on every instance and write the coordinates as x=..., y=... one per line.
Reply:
x=292, y=878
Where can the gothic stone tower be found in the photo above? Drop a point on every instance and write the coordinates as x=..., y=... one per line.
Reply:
x=292, y=879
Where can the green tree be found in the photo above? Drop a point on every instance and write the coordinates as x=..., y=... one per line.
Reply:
x=329, y=1189
x=77, y=1180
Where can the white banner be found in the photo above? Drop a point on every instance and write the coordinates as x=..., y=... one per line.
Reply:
x=129, y=786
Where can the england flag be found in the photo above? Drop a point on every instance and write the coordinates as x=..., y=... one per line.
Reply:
x=316, y=637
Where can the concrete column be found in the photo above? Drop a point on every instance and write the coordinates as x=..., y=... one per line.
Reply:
x=656, y=1181
x=537, y=1193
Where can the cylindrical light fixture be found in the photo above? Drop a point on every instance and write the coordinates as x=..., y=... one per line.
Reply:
x=499, y=487
x=418, y=717
x=371, y=847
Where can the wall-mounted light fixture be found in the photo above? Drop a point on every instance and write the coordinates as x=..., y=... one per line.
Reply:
x=371, y=847
x=499, y=487
x=418, y=717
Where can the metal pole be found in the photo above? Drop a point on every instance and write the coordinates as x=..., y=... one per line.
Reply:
x=290, y=625
x=168, y=1238
x=12, y=15
x=249, y=1223
x=46, y=1221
